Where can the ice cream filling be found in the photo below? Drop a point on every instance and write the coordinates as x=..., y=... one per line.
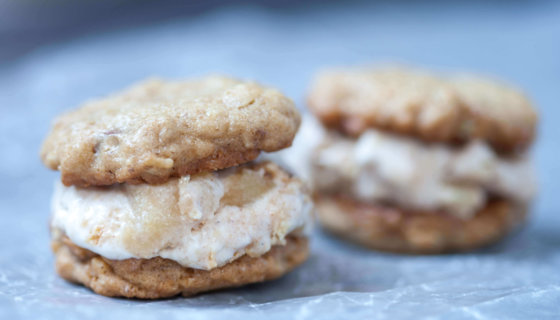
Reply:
x=383, y=167
x=201, y=221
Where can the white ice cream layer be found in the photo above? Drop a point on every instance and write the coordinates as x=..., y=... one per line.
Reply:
x=201, y=221
x=383, y=167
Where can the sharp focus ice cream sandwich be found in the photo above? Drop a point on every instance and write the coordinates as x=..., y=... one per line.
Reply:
x=160, y=195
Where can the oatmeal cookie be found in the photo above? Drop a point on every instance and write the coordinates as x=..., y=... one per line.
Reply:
x=393, y=229
x=158, y=129
x=160, y=278
x=434, y=108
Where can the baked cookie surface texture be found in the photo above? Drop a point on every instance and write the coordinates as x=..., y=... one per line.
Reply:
x=158, y=129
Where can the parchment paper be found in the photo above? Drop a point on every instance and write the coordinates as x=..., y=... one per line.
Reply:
x=516, y=279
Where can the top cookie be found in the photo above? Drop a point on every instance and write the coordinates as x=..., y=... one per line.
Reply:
x=157, y=129
x=449, y=110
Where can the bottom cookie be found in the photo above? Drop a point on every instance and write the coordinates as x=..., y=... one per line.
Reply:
x=392, y=229
x=160, y=278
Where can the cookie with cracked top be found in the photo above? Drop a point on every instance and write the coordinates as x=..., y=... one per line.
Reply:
x=434, y=108
x=158, y=129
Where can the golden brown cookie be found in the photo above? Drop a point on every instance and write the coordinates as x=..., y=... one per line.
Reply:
x=158, y=129
x=159, y=278
x=433, y=108
x=392, y=229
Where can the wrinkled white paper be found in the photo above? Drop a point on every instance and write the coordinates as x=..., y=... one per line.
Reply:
x=516, y=279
